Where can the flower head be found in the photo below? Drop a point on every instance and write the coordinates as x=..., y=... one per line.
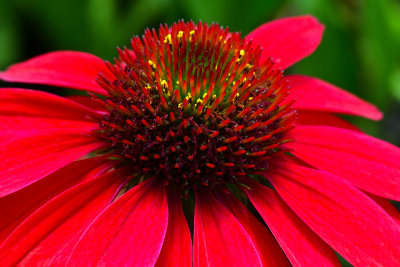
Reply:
x=190, y=149
x=194, y=107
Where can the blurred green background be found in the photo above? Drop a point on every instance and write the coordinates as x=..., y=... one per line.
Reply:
x=360, y=51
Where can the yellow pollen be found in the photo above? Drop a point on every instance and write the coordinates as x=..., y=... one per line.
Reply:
x=180, y=34
x=191, y=34
x=251, y=98
x=243, y=81
x=180, y=105
x=168, y=39
x=214, y=96
x=152, y=64
x=164, y=84
x=242, y=52
x=177, y=82
x=204, y=95
x=248, y=67
x=189, y=96
x=199, y=100
x=237, y=95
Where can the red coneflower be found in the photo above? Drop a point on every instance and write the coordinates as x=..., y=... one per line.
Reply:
x=189, y=150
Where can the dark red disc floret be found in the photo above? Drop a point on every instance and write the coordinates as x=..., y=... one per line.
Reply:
x=192, y=105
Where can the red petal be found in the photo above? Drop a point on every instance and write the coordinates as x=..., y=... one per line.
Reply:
x=350, y=222
x=130, y=232
x=219, y=238
x=301, y=245
x=288, y=40
x=26, y=160
x=314, y=94
x=387, y=206
x=48, y=236
x=88, y=102
x=30, y=103
x=177, y=246
x=76, y=70
x=369, y=163
x=16, y=127
x=268, y=249
x=17, y=206
x=305, y=117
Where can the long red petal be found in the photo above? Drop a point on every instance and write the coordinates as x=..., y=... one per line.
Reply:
x=26, y=160
x=305, y=117
x=48, y=236
x=386, y=205
x=30, y=103
x=16, y=127
x=130, y=232
x=314, y=94
x=177, y=246
x=369, y=163
x=301, y=245
x=17, y=206
x=219, y=238
x=76, y=70
x=88, y=102
x=268, y=249
x=288, y=40
x=350, y=222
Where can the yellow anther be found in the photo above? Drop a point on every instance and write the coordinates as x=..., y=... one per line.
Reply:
x=189, y=96
x=199, y=100
x=168, y=39
x=241, y=54
x=204, y=95
x=233, y=83
x=237, y=95
x=248, y=67
x=243, y=81
x=152, y=64
x=164, y=84
x=177, y=82
x=251, y=98
x=191, y=34
x=180, y=105
x=214, y=96
x=180, y=34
